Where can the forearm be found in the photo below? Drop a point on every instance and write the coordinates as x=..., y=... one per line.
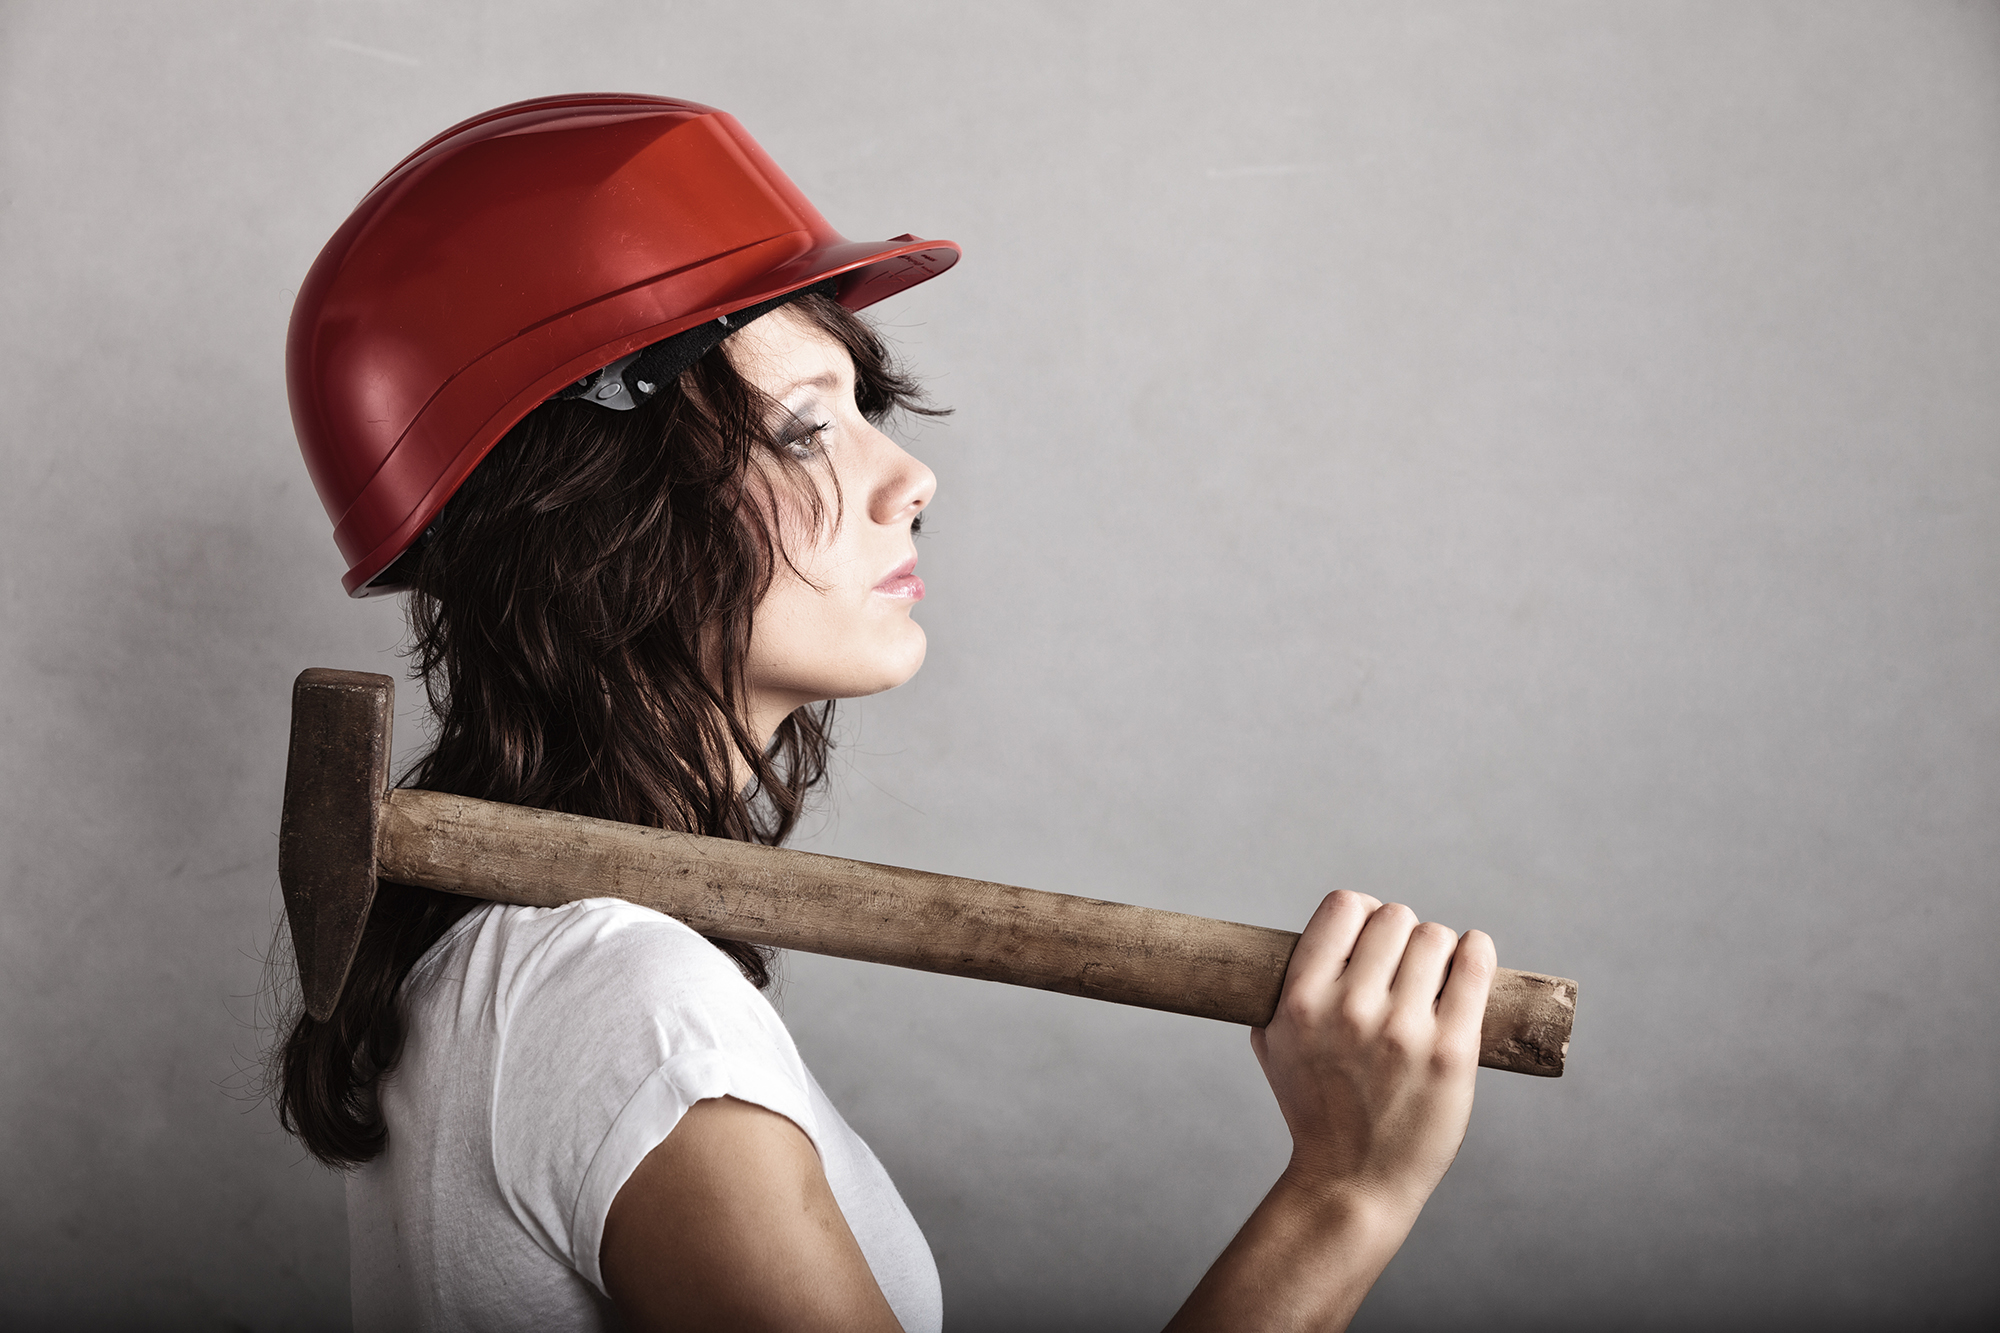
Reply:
x=1304, y=1260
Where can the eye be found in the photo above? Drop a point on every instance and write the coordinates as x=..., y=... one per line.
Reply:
x=803, y=441
x=917, y=524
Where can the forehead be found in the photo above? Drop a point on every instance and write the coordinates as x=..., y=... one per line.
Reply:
x=785, y=350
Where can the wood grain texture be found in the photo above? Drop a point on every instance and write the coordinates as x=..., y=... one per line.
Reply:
x=909, y=918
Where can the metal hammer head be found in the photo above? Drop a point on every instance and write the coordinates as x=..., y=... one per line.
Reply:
x=335, y=778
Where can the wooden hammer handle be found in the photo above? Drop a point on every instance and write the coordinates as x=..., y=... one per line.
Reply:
x=910, y=918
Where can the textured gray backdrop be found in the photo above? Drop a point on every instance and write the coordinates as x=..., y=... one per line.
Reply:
x=1537, y=461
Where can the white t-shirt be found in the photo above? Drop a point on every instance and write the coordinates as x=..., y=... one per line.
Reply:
x=548, y=1050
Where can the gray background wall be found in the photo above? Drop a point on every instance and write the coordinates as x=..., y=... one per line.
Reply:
x=1537, y=461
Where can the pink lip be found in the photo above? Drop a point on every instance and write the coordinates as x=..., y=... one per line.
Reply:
x=902, y=581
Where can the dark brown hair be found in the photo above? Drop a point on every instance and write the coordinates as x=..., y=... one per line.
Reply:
x=580, y=615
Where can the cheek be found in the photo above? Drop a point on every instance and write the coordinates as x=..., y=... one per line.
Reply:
x=794, y=624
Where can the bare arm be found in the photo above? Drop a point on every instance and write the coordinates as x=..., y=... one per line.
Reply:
x=1371, y=1056
x=730, y=1224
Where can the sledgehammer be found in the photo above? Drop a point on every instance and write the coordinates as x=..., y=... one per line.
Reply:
x=343, y=830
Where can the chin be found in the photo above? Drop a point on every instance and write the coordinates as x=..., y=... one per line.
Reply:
x=853, y=674
x=900, y=668
x=890, y=667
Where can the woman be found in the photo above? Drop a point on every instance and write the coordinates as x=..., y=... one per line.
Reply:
x=582, y=375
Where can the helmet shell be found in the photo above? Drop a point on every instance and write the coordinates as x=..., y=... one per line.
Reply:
x=517, y=252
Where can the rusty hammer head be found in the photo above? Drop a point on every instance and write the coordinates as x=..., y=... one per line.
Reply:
x=335, y=777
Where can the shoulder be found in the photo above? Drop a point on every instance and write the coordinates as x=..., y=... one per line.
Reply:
x=591, y=1029
x=599, y=953
x=600, y=990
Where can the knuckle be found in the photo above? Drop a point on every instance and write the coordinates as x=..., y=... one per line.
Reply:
x=1355, y=1015
x=1295, y=1010
x=1474, y=964
x=1395, y=912
x=1435, y=933
x=1342, y=902
x=1478, y=953
x=1405, y=1037
x=1454, y=1052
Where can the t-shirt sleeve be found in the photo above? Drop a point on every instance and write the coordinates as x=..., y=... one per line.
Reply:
x=617, y=1020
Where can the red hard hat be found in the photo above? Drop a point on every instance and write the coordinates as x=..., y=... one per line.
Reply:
x=518, y=252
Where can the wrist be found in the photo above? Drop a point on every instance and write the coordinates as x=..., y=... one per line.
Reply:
x=1304, y=1260
x=1341, y=1201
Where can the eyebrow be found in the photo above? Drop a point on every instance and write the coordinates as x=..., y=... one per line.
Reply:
x=826, y=379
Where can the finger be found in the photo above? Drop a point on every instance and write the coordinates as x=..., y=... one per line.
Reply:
x=1426, y=958
x=1379, y=948
x=1463, y=1002
x=1321, y=953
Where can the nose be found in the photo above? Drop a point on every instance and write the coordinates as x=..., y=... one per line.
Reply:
x=903, y=485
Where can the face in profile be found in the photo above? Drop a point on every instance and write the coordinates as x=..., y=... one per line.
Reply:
x=836, y=621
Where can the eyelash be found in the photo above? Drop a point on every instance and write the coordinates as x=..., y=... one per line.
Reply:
x=805, y=443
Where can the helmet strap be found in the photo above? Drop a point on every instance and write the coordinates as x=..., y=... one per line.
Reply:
x=631, y=380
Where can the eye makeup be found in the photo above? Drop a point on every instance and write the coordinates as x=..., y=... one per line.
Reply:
x=803, y=437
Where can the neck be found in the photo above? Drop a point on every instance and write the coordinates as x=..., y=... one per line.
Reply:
x=766, y=715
